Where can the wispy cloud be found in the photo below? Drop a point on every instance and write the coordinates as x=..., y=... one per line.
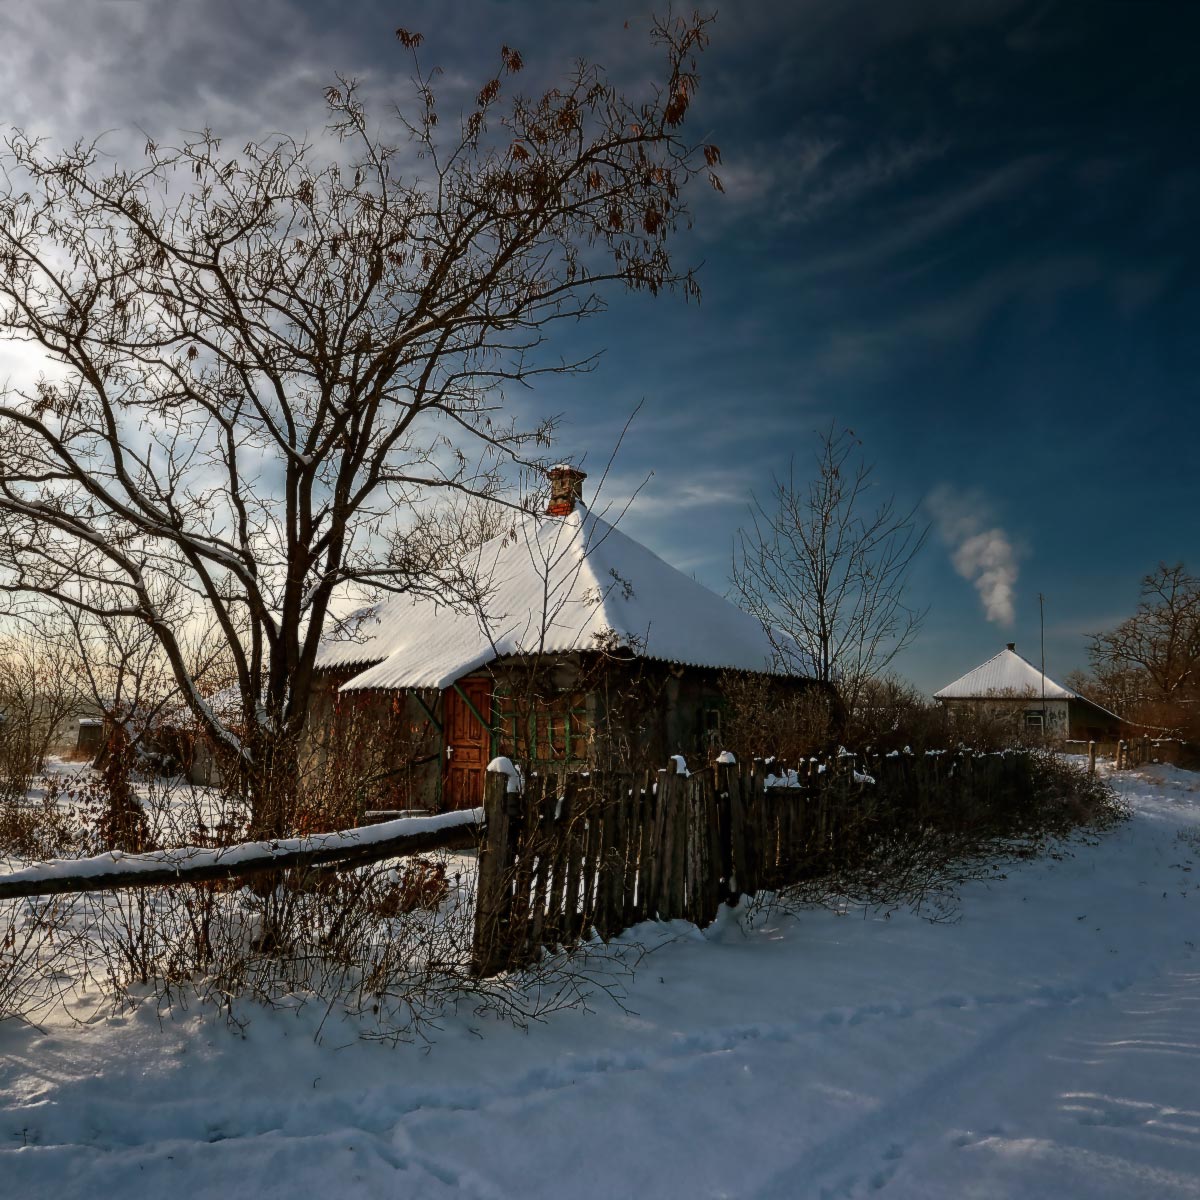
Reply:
x=982, y=552
x=875, y=168
x=926, y=219
x=1038, y=285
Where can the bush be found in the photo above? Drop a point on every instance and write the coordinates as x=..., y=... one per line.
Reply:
x=931, y=821
x=891, y=714
x=764, y=719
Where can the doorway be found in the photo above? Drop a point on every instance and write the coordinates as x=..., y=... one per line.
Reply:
x=467, y=740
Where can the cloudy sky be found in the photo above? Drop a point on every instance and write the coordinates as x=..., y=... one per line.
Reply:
x=964, y=228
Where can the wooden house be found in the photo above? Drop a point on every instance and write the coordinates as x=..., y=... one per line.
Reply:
x=582, y=648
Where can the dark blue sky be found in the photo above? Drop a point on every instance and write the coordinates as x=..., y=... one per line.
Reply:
x=965, y=229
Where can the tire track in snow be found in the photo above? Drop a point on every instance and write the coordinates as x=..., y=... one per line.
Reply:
x=883, y=1136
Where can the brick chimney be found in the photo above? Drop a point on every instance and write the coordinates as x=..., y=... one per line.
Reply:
x=566, y=487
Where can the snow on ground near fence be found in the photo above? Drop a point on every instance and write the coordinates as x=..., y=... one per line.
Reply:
x=1046, y=1045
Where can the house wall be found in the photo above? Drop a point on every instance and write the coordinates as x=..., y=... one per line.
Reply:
x=635, y=712
x=1018, y=709
x=642, y=711
x=1089, y=723
x=603, y=712
x=384, y=744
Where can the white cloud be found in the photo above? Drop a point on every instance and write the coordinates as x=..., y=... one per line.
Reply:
x=982, y=552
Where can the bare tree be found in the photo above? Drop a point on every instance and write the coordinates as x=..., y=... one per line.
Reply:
x=827, y=573
x=265, y=364
x=1148, y=667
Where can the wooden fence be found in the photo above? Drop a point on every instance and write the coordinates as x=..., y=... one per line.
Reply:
x=1138, y=752
x=1133, y=752
x=572, y=853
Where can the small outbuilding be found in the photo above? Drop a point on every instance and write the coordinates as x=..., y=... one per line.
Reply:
x=583, y=648
x=1008, y=682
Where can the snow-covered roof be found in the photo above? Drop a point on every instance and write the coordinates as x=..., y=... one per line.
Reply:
x=1008, y=674
x=563, y=583
x=1005, y=674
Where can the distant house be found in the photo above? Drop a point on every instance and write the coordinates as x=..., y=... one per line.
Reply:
x=1010, y=682
x=584, y=637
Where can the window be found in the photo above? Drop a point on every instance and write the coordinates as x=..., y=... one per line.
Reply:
x=545, y=730
x=710, y=727
x=1033, y=720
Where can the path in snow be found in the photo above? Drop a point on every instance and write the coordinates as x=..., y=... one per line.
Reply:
x=1046, y=1045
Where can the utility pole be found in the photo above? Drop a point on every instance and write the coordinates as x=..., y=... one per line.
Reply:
x=1042, y=632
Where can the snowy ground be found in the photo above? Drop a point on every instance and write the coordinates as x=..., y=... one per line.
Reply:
x=1048, y=1045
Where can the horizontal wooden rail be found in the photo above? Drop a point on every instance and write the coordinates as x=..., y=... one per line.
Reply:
x=193, y=864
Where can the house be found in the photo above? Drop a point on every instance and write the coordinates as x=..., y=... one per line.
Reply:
x=585, y=648
x=1040, y=705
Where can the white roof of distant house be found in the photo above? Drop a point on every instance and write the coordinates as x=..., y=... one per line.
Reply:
x=563, y=584
x=1005, y=674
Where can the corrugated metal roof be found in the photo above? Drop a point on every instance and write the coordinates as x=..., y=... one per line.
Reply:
x=565, y=583
x=1005, y=674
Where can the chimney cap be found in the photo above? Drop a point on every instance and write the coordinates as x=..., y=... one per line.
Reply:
x=1012, y=645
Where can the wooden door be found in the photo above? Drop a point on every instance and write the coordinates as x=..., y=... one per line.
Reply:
x=467, y=743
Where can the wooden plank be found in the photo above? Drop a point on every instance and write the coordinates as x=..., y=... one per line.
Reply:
x=785, y=813
x=634, y=815
x=648, y=850
x=560, y=833
x=495, y=865
x=589, y=873
x=543, y=848
x=606, y=863
x=191, y=864
x=523, y=817
x=661, y=862
x=679, y=849
x=697, y=852
x=691, y=850
x=747, y=872
x=576, y=835
x=715, y=866
x=666, y=841
x=733, y=850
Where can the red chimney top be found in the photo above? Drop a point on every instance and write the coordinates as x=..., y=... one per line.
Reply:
x=566, y=487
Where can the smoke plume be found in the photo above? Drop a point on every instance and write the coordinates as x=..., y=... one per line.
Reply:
x=982, y=553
